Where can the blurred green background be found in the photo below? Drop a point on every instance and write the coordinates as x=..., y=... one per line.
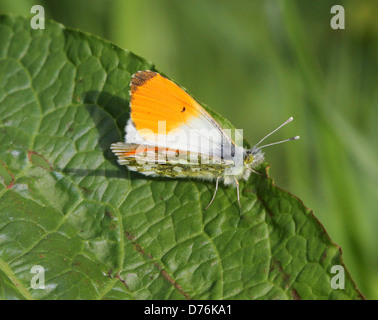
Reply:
x=258, y=63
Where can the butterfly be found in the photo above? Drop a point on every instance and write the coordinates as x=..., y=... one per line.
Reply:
x=170, y=134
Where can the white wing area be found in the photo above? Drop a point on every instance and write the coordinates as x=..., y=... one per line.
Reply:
x=199, y=136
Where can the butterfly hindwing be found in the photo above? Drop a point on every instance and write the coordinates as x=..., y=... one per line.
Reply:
x=158, y=161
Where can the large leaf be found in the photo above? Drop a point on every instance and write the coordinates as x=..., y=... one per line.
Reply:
x=101, y=232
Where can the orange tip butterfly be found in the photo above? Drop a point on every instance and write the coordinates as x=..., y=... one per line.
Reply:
x=169, y=134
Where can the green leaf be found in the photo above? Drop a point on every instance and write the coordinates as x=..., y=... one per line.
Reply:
x=101, y=232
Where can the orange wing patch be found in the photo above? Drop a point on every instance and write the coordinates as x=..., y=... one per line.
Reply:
x=155, y=98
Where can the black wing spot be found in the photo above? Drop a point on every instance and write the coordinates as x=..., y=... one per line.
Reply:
x=183, y=109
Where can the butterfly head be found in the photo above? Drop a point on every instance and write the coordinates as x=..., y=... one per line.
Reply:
x=253, y=157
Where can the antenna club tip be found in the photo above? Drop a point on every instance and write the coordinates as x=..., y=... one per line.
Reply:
x=290, y=119
x=296, y=138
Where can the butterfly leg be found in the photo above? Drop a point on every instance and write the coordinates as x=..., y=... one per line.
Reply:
x=215, y=192
x=256, y=172
x=238, y=192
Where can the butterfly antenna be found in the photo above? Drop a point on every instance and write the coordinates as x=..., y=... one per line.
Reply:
x=269, y=134
x=278, y=142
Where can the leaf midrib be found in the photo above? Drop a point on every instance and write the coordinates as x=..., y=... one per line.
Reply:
x=17, y=283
